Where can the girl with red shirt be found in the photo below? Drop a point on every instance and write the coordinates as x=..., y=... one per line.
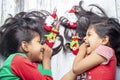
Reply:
x=26, y=57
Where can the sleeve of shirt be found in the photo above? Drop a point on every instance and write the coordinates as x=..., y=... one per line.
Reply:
x=26, y=70
x=106, y=52
x=44, y=71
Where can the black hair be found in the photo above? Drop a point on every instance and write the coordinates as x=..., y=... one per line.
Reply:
x=15, y=30
x=21, y=25
x=110, y=28
x=84, y=19
x=40, y=17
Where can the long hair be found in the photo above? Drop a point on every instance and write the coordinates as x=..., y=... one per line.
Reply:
x=84, y=19
x=40, y=17
x=14, y=31
x=110, y=28
x=24, y=21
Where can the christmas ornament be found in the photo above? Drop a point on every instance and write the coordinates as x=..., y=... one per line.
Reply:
x=74, y=44
x=50, y=20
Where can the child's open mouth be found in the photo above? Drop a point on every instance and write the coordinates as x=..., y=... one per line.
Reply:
x=87, y=45
x=42, y=50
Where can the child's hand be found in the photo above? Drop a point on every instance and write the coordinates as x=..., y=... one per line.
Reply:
x=46, y=56
x=83, y=48
x=47, y=52
x=69, y=76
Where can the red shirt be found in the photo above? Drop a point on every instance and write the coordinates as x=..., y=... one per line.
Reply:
x=106, y=70
x=26, y=70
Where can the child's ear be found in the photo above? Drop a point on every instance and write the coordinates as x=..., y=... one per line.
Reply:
x=24, y=46
x=105, y=40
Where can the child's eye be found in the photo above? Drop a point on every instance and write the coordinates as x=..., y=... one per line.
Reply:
x=88, y=34
x=39, y=42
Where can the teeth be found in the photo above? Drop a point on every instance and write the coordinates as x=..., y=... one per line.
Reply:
x=42, y=50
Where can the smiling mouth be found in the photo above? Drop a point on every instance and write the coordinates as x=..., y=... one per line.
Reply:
x=88, y=45
x=42, y=50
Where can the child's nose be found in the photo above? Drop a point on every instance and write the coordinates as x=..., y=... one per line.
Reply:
x=42, y=49
x=84, y=38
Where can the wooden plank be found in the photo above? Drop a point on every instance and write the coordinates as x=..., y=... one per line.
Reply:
x=60, y=63
x=118, y=9
x=8, y=7
x=19, y=5
x=0, y=11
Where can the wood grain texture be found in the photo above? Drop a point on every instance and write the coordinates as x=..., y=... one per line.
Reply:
x=60, y=63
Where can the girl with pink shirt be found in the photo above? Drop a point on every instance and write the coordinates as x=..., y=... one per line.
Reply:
x=99, y=54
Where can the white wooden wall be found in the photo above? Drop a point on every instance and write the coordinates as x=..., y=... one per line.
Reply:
x=112, y=7
x=60, y=63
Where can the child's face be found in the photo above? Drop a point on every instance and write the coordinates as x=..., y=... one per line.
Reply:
x=35, y=49
x=92, y=40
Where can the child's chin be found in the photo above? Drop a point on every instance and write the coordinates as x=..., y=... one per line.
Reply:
x=40, y=59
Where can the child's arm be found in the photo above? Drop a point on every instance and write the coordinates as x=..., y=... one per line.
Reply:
x=26, y=70
x=46, y=57
x=69, y=76
x=85, y=62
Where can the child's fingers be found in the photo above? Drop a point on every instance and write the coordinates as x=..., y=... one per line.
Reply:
x=47, y=50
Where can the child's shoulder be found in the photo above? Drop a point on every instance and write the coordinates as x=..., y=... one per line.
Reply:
x=20, y=58
x=14, y=59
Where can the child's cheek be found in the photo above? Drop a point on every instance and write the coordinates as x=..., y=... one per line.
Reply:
x=40, y=56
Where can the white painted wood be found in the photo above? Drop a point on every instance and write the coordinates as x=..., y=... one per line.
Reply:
x=118, y=9
x=19, y=5
x=8, y=8
x=118, y=73
x=60, y=63
x=0, y=11
x=30, y=5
